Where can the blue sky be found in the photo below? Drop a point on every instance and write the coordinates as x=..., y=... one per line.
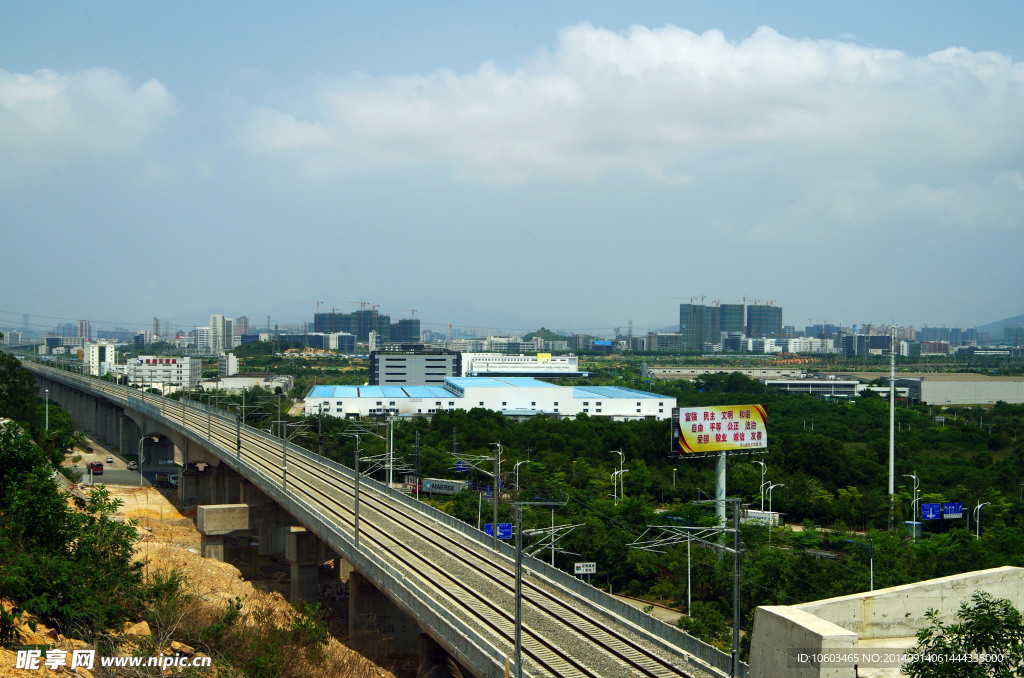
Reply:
x=511, y=165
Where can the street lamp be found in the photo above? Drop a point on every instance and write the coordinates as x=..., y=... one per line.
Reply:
x=673, y=480
x=515, y=469
x=977, y=519
x=870, y=546
x=622, y=462
x=770, y=513
x=913, y=502
x=764, y=468
x=47, y=409
x=622, y=482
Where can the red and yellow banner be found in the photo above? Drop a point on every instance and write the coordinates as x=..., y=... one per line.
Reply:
x=714, y=429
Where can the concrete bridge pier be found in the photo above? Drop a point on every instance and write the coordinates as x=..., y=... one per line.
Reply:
x=210, y=483
x=303, y=551
x=250, y=494
x=215, y=521
x=342, y=568
x=435, y=662
x=71, y=400
x=273, y=525
x=105, y=422
x=378, y=627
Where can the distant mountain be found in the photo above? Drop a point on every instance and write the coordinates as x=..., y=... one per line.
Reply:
x=546, y=335
x=996, y=329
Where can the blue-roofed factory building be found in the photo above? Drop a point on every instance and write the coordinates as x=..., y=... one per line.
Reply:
x=512, y=396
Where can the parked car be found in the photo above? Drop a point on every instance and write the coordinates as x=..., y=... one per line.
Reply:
x=110, y=460
x=96, y=468
x=132, y=466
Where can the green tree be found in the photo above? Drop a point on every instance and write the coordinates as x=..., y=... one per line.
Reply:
x=991, y=627
x=707, y=622
x=72, y=566
x=17, y=390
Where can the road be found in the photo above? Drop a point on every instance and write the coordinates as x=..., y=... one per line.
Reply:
x=114, y=473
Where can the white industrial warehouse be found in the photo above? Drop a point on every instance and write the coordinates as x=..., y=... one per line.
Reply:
x=512, y=396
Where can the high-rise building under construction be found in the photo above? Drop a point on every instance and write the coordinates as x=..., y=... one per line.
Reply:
x=703, y=326
x=360, y=323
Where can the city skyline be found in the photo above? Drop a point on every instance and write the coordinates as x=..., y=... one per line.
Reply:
x=48, y=325
x=564, y=166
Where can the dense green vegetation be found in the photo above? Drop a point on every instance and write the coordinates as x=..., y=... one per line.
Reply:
x=986, y=641
x=70, y=565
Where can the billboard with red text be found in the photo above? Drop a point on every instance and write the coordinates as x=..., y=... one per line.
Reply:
x=705, y=430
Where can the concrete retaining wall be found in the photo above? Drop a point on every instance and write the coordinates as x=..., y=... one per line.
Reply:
x=898, y=612
x=835, y=625
x=780, y=632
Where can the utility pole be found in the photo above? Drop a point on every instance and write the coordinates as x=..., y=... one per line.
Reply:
x=892, y=423
x=517, y=516
x=355, y=507
x=391, y=451
x=497, y=490
x=735, y=585
x=417, y=464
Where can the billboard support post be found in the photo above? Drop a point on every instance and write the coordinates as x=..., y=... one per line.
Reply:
x=720, y=489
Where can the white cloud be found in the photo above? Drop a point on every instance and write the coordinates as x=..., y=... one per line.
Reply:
x=671, y=104
x=51, y=120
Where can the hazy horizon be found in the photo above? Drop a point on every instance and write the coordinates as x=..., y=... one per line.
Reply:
x=569, y=166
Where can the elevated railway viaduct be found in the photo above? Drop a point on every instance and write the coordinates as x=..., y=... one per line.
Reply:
x=433, y=586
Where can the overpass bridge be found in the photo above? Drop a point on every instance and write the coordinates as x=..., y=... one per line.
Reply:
x=429, y=583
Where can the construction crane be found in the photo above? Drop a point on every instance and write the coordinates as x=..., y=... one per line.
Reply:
x=702, y=297
x=412, y=312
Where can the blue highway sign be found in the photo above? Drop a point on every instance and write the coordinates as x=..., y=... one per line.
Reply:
x=931, y=511
x=953, y=509
x=504, y=530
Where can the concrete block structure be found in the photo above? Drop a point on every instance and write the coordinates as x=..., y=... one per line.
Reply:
x=974, y=389
x=865, y=622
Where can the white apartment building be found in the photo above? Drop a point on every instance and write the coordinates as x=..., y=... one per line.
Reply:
x=763, y=345
x=167, y=373
x=222, y=333
x=202, y=335
x=810, y=345
x=227, y=365
x=99, y=358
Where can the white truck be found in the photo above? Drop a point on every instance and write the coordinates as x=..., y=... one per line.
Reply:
x=166, y=479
